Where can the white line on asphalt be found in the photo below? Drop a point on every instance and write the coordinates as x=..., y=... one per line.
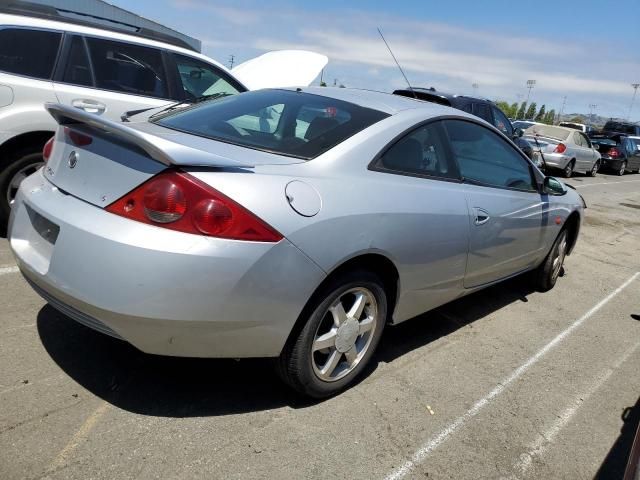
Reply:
x=8, y=270
x=605, y=183
x=546, y=439
x=422, y=453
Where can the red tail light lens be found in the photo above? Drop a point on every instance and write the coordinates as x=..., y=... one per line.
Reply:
x=561, y=148
x=77, y=138
x=48, y=147
x=179, y=201
x=614, y=153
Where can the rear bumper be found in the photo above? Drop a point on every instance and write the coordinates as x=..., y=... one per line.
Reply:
x=610, y=163
x=556, y=160
x=165, y=292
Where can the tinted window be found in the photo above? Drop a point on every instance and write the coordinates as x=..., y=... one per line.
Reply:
x=199, y=78
x=423, y=152
x=578, y=139
x=501, y=122
x=292, y=123
x=486, y=158
x=127, y=68
x=78, y=70
x=483, y=111
x=28, y=52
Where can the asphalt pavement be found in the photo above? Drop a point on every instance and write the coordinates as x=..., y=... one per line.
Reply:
x=506, y=383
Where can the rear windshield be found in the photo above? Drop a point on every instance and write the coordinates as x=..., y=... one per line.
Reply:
x=575, y=126
x=286, y=122
x=549, y=131
x=603, y=141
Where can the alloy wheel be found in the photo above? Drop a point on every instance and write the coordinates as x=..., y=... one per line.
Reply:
x=623, y=167
x=344, y=335
x=568, y=170
x=558, y=259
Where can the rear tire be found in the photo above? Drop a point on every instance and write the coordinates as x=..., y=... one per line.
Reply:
x=594, y=170
x=327, y=355
x=13, y=169
x=623, y=168
x=568, y=170
x=546, y=275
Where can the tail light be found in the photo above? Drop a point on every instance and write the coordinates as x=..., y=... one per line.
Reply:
x=77, y=138
x=48, y=147
x=561, y=148
x=179, y=201
x=614, y=153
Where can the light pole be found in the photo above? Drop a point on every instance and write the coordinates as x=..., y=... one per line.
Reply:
x=592, y=107
x=232, y=60
x=564, y=102
x=475, y=87
x=633, y=99
x=530, y=85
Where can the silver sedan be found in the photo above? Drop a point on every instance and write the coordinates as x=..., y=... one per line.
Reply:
x=283, y=223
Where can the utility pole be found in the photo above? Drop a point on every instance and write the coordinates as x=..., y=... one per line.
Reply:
x=633, y=99
x=564, y=102
x=592, y=107
x=475, y=87
x=232, y=59
x=530, y=85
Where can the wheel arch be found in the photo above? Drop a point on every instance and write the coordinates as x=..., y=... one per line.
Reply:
x=572, y=225
x=38, y=138
x=372, y=261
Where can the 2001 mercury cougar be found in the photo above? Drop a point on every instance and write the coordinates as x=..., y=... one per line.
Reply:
x=283, y=223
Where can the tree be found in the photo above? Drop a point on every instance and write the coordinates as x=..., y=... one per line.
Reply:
x=323, y=84
x=513, y=110
x=521, y=111
x=531, y=111
x=550, y=117
x=541, y=113
x=504, y=106
x=577, y=119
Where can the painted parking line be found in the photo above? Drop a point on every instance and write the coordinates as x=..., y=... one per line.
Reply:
x=427, y=448
x=8, y=270
x=548, y=438
x=605, y=183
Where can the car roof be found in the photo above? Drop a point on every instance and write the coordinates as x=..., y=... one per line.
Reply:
x=444, y=95
x=26, y=21
x=382, y=101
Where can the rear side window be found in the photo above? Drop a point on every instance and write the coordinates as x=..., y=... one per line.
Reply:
x=78, y=69
x=128, y=68
x=483, y=111
x=485, y=158
x=422, y=152
x=501, y=122
x=287, y=122
x=28, y=52
x=202, y=79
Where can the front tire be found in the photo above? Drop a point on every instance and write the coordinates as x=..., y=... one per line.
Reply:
x=343, y=326
x=15, y=168
x=546, y=275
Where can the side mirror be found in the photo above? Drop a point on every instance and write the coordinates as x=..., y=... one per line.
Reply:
x=518, y=132
x=553, y=186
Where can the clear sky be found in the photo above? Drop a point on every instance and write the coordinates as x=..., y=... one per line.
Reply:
x=585, y=50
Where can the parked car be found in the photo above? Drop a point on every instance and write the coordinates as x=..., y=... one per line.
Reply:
x=625, y=128
x=480, y=107
x=216, y=237
x=578, y=126
x=524, y=124
x=619, y=152
x=564, y=149
x=45, y=57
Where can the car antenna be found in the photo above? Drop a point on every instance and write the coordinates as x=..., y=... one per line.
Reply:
x=398, y=64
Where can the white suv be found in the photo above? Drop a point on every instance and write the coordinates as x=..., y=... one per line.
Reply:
x=107, y=73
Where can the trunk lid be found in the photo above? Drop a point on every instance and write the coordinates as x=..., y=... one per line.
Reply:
x=99, y=161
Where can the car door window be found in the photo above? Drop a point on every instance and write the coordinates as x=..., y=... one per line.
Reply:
x=424, y=151
x=502, y=123
x=28, y=52
x=78, y=69
x=585, y=141
x=128, y=68
x=486, y=158
x=577, y=139
x=483, y=111
x=199, y=78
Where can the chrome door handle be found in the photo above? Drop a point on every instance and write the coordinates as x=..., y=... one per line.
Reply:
x=481, y=216
x=89, y=106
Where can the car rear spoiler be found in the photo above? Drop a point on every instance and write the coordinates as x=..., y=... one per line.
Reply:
x=155, y=146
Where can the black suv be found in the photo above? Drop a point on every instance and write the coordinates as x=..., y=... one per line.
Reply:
x=479, y=107
x=625, y=128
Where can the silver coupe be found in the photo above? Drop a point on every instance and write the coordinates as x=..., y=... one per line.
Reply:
x=292, y=224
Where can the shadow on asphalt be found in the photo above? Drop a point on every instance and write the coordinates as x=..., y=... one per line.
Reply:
x=616, y=460
x=183, y=387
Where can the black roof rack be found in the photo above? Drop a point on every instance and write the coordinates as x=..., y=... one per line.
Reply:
x=50, y=12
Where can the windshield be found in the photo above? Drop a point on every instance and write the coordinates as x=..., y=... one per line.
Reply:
x=287, y=122
x=549, y=131
x=619, y=127
x=522, y=124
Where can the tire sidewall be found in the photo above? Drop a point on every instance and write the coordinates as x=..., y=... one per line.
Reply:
x=17, y=161
x=309, y=382
x=546, y=280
